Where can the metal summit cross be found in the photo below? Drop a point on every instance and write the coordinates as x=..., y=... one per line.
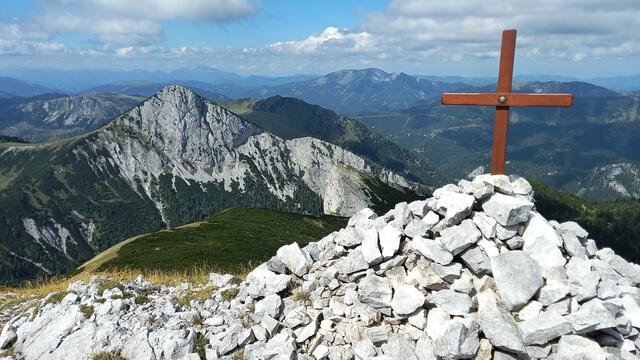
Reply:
x=503, y=99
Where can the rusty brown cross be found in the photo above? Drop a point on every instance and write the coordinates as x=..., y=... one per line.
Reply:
x=503, y=99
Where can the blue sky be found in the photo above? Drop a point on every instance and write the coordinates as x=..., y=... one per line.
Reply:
x=584, y=38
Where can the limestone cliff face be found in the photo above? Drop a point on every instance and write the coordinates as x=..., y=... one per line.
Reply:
x=179, y=133
x=173, y=159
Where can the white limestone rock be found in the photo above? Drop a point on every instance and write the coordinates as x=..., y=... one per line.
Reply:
x=544, y=328
x=390, y=237
x=498, y=325
x=375, y=291
x=370, y=248
x=542, y=242
x=454, y=206
x=500, y=182
x=295, y=258
x=457, y=238
x=517, y=277
x=451, y=302
x=583, y=280
x=457, y=340
x=406, y=299
x=432, y=250
x=507, y=210
x=572, y=347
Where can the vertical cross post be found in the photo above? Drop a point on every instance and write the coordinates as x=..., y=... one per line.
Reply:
x=501, y=127
x=503, y=99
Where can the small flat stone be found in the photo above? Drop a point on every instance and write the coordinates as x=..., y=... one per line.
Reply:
x=486, y=224
x=477, y=261
x=500, y=182
x=544, y=328
x=432, y=250
x=454, y=206
x=416, y=228
x=451, y=302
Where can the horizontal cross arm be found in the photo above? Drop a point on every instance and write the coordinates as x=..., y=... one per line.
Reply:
x=510, y=99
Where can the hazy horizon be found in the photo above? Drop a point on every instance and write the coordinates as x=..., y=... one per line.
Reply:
x=582, y=39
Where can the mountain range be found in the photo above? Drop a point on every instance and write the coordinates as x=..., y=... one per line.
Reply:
x=173, y=159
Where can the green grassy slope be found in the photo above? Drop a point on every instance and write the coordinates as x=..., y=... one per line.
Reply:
x=226, y=241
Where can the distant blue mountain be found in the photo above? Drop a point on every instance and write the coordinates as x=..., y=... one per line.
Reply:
x=10, y=87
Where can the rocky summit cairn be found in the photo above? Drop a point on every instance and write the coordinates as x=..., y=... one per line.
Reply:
x=472, y=272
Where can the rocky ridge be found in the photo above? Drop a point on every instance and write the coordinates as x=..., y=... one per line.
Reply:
x=472, y=272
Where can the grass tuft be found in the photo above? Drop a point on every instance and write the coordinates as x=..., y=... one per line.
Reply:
x=87, y=310
x=200, y=295
x=302, y=296
x=141, y=300
x=200, y=345
x=107, y=356
x=230, y=294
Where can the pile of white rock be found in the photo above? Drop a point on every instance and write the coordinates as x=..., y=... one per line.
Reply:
x=473, y=272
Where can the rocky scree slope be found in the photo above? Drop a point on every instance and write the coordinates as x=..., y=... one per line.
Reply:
x=473, y=272
x=174, y=159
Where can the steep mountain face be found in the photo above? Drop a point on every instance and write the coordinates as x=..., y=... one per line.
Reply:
x=47, y=117
x=173, y=159
x=563, y=147
x=368, y=90
x=291, y=118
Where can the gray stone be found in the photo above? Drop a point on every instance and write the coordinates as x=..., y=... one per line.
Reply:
x=401, y=214
x=353, y=262
x=431, y=219
x=406, y=300
x=506, y=232
x=424, y=348
x=419, y=208
x=364, y=349
x=390, y=237
x=507, y=210
x=621, y=266
x=592, y=315
x=375, y=291
x=348, y=237
x=454, y=206
x=361, y=216
x=515, y=243
x=262, y=282
x=572, y=347
x=583, y=281
x=486, y=224
x=498, y=325
x=553, y=291
x=370, y=249
x=520, y=185
x=378, y=334
x=432, y=250
x=517, y=277
x=572, y=244
x=459, y=237
x=484, y=192
x=436, y=317
x=8, y=336
x=458, y=339
x=400, y=347
x=416, y=228
x=544, y=328
x=296, y=260
x=270, y=305
x=448, y=273
x=476, y=260
x=542, y=242
x=500, y=182
x=451, y=302
x=281, y=346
